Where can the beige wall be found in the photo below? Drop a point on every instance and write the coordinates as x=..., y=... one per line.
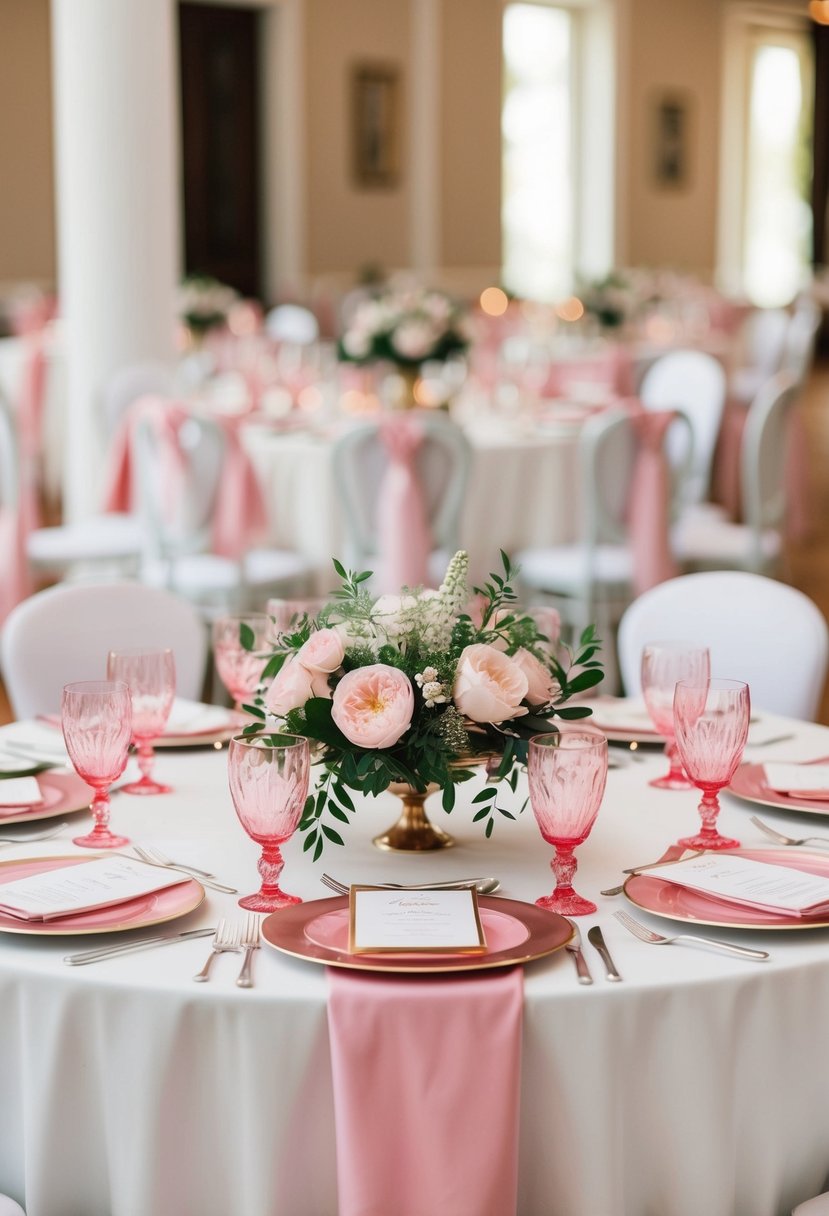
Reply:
x=672, y=47
x=27, y=236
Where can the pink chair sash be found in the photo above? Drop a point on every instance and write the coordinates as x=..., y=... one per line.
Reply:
x=404, y=540
x=649, y=502
x=426, y=1093
x=15, y=579
x=611, y=369
x=239, y=511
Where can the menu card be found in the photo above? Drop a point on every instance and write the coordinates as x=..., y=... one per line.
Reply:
x=67, y=890
x=422, y=921
x=755, y=884
x=806, y=780
x=20, y=791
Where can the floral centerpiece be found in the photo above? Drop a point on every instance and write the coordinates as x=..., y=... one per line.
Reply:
x=406, y=327
x=203, y=303
x=612, y=300
x=411, y=692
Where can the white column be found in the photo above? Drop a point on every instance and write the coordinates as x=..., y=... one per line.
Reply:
x=116, y=136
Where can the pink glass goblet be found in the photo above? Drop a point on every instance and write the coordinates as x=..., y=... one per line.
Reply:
x=269, y=777
x=711, y=724
x=151, y=676
x=241, y=649
x=96, y=718
x=664, y=664
x=567, y=772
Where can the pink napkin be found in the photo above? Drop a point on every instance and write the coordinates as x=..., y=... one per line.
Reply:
x=426, y=1093
x=649, y=503
x=404, y=540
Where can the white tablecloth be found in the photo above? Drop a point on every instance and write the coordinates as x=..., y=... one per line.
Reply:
x=696, y=1087
x=522, y=492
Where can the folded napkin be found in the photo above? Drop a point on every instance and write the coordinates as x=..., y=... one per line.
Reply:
x=40, y=740
x=805, y=780
x=20, y=791
x=69, y=890
x=196, y=718
x=426, y=1092
x=620, y=714
x=752, y=884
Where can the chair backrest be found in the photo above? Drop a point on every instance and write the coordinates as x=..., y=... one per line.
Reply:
x=763, y=456
x=801, y=338
x=176, y=504
x=442, y=466
x=64, y=634
x=764, y=340
x=292, y=323
x=757, y=629
x=695, y=383
x=9, y=483
x=129, y=383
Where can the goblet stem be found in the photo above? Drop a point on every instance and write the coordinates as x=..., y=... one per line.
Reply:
x=708, y=837
x=146, y=760
x=101, y=837
x=270, y=896
x=564, y=899
x=675, y=778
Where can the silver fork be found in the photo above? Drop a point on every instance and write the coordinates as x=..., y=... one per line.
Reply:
x=53, y=831
x=250, y=942
x=153, y=858
x=773, y=834
x=226, y=939
x=483, y=885
x=658, y=939
x=162, y=860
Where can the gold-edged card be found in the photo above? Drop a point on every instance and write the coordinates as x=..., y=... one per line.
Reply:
x=382, y=920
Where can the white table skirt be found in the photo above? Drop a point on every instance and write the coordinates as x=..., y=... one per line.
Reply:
x=696, y=1087
x=522, y=492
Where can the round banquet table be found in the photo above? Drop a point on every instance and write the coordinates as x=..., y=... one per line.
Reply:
x=697, y=1085
x=525, y=481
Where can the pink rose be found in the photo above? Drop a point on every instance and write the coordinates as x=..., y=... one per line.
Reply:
x=373, y=705
x=323, y=651
x=489, y=686
x=291, y=688
x=542, y=687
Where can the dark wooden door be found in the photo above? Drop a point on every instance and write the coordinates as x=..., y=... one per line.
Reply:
x=220, y=143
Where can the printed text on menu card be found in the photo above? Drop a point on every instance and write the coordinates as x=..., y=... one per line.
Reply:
x=385, y=921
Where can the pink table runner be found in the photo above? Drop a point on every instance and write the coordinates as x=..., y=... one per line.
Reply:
x=404, y=540
x=426, y=1093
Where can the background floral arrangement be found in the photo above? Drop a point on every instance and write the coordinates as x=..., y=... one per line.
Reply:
x=407, y=327
x=612, y=300
x=203, y=303
x=410, y=689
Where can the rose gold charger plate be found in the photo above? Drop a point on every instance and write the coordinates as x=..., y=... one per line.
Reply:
x=668, y=900
x=63, y=793
x=750, y=785
x=138, y=913
x=516, y=933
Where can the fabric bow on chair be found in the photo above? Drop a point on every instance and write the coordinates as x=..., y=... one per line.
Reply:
x=403, y=536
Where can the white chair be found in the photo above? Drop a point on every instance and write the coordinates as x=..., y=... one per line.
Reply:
x=819, y=1206
x=178, y=554
x=694, y=382
x=707, y=539
x=129, y=383
x=293, y=324
x=8, y=1207
x=763, y=341
x=801, y=338
x=64, y=633
x=591, y=580
x=757, y=629
x=442, y=466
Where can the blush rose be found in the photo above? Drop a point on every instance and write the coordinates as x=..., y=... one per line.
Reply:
x=373, y=705
x=489, y=686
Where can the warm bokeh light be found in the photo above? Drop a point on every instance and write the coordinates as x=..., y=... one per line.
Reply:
x=494, y=302
x=819, y=11
x=570, y=309
x=310, y=398
x=244, y=318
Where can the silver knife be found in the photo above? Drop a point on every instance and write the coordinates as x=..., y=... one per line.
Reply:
x=573, y=947
x=93, y=956
x=596, y=939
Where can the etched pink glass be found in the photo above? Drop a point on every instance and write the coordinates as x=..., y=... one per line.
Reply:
x=269, y=777
x=240, y=666
x=567, y=772
x=664, y=664
x=151, y=677
x=96, y=718
x=711, y=725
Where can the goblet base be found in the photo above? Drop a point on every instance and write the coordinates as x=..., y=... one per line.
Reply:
x=567, y=903
x=101, y=838
x=709, y=841
x=269, y=903
x=671, y=782
x=146, y=786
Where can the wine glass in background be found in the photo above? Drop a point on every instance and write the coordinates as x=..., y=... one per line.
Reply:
x=241, y=650
x=711, y=725
x=269, y=776
x=287, y=615
x=151, y=677
x=664, y=664
x=568, y=773
x=96, y=719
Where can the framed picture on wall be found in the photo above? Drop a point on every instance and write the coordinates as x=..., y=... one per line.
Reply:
x=671, y=140
x=376, y=118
